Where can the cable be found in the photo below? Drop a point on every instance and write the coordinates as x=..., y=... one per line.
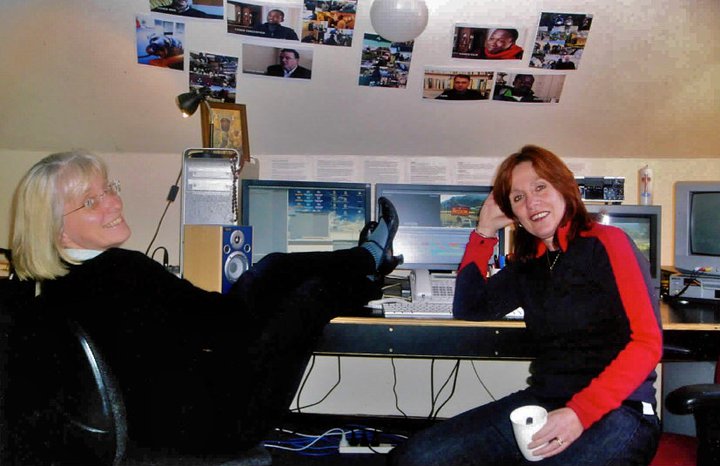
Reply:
x=302, y=385
x=394, y=388
x=472, y=363
x=307, y=376
x=434, y=397
x=315, y=439
x=690, y=280
x=331, y=388
x=330, y=441
x=172, y=194
x=455, y=370
x=432, y=387
x=165, y=259
x=392, y=285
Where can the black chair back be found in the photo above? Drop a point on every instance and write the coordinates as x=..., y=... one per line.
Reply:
x=95, y=430
x=59, y=402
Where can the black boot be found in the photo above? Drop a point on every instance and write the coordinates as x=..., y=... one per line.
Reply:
x=385, y=260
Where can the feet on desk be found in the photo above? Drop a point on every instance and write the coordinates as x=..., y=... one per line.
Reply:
x=377, y=238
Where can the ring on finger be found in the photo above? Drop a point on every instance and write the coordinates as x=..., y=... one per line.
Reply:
x=559, y=441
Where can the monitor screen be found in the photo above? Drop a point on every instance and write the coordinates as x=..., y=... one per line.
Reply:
x=705, y=223
x=642, y=224
x=638, y=229
x=297, y=216
x=697, y=227
x=435, y=222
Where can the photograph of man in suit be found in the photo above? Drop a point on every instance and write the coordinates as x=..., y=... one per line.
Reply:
x=289, y=67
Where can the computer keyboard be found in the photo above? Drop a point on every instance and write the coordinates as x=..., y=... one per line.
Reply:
x=418, y=309
x=431, y=310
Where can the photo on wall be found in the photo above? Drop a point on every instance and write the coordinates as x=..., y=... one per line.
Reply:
x=560, y=40
x=225, y=126
x=488, y=42
x=264, y=20
x=217, y=72
x=207, y=9
x=279, y=62
x=330, y=22
x=457, y=84
x=159, y=42
x=528, y=88
x=384, y=63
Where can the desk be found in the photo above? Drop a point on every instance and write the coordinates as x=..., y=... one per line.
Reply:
x=425, y=338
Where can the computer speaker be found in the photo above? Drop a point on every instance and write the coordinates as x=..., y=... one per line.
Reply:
x=214, y=256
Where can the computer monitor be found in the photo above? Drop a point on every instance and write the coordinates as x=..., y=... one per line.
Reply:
x=297, y=216
x=435, y=222
x=643, y=224
x=697, y=227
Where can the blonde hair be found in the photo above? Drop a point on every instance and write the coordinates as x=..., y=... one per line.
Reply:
x=38, y=208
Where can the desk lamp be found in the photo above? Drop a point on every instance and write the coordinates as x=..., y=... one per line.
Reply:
x=190, y=101
x=188, y=104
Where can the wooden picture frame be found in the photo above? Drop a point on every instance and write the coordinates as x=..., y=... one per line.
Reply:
x=217, y=133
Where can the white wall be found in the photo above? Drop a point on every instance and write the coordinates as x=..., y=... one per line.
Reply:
x=646, y=86
x=478, y=382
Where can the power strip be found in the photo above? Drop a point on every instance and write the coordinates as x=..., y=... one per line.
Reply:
x=382, y=448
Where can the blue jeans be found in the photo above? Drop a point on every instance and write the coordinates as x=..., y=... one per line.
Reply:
x=484, y=436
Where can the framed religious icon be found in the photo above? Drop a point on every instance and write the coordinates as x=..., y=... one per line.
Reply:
x=225, y=126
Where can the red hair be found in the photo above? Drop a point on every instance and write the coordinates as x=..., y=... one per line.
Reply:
x=551, y=168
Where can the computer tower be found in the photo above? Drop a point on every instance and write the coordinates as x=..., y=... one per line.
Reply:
x=214, y=256
x=211, y=185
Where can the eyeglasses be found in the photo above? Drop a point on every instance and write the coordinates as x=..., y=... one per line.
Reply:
x=91, y=203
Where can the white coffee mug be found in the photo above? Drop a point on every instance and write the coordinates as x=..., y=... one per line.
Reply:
x=526, y=420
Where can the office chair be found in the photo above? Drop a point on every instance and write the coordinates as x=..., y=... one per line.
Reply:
x=59, y=403
x=95, y=430
x=703, y=402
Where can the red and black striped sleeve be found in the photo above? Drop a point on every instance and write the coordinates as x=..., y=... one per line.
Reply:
x=640, y=356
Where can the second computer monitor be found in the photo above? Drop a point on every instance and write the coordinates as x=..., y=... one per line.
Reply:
x=435, y=222
x=643, y=224
x=299, y=216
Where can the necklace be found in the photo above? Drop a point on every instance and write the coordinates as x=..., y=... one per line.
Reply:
x=557, y=256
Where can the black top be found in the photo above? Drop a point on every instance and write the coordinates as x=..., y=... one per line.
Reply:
x=590, y=318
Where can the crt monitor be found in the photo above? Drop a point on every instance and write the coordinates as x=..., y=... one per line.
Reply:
x=435, y=222
x=297, y=216
x=643, y=224
x=697, y=227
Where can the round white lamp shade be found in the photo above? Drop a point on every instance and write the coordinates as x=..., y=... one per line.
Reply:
x=399, y=20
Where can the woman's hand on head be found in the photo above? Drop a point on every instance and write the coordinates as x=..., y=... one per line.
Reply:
x=491, y=218
x=562, y=428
